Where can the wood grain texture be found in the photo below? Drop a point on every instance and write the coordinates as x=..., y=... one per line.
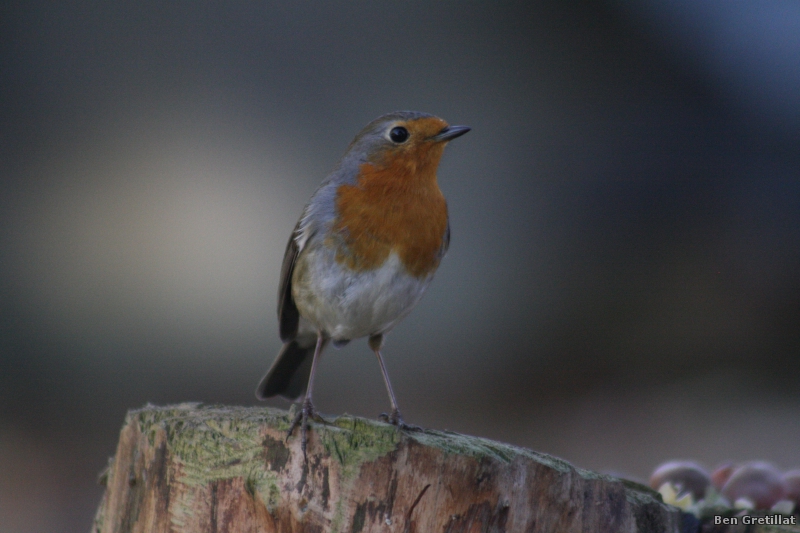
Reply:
x=198, y=469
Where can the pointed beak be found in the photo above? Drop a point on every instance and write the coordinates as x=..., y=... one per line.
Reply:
x=450, y=133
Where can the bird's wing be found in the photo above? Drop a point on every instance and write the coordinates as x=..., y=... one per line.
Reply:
x=288, y=315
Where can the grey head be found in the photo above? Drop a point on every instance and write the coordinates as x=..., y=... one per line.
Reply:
x=377, y=132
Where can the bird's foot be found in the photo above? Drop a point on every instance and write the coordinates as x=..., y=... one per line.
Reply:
x=396, y=419
x=305, y=412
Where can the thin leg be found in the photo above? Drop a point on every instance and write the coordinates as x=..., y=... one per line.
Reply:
x=375, y=342
x=307, y=409
x=322, y=340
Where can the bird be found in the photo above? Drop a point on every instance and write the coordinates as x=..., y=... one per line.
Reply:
x=362, y=254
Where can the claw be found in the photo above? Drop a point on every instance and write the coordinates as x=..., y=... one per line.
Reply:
x=396, y=419
x=301, y=418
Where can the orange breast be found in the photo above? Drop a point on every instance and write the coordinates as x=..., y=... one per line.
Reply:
x=397, y=206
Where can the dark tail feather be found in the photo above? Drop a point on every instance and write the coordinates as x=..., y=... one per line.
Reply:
x=288, y=376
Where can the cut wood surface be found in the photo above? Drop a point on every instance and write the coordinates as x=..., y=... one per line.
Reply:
x=192, y=468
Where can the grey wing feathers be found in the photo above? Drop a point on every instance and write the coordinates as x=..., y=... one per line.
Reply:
x=288, y=315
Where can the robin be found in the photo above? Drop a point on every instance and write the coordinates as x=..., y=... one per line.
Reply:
x=363, y=252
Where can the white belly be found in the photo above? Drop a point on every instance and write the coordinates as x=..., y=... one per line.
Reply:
x=348, y=305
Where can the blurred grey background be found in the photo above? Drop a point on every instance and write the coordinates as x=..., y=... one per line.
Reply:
x=622, y=285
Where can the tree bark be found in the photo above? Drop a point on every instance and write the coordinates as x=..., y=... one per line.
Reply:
x=190, y=468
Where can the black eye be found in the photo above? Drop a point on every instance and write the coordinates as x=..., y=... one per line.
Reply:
x=398, y=134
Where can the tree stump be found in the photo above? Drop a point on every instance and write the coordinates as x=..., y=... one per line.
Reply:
x=191, y=468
